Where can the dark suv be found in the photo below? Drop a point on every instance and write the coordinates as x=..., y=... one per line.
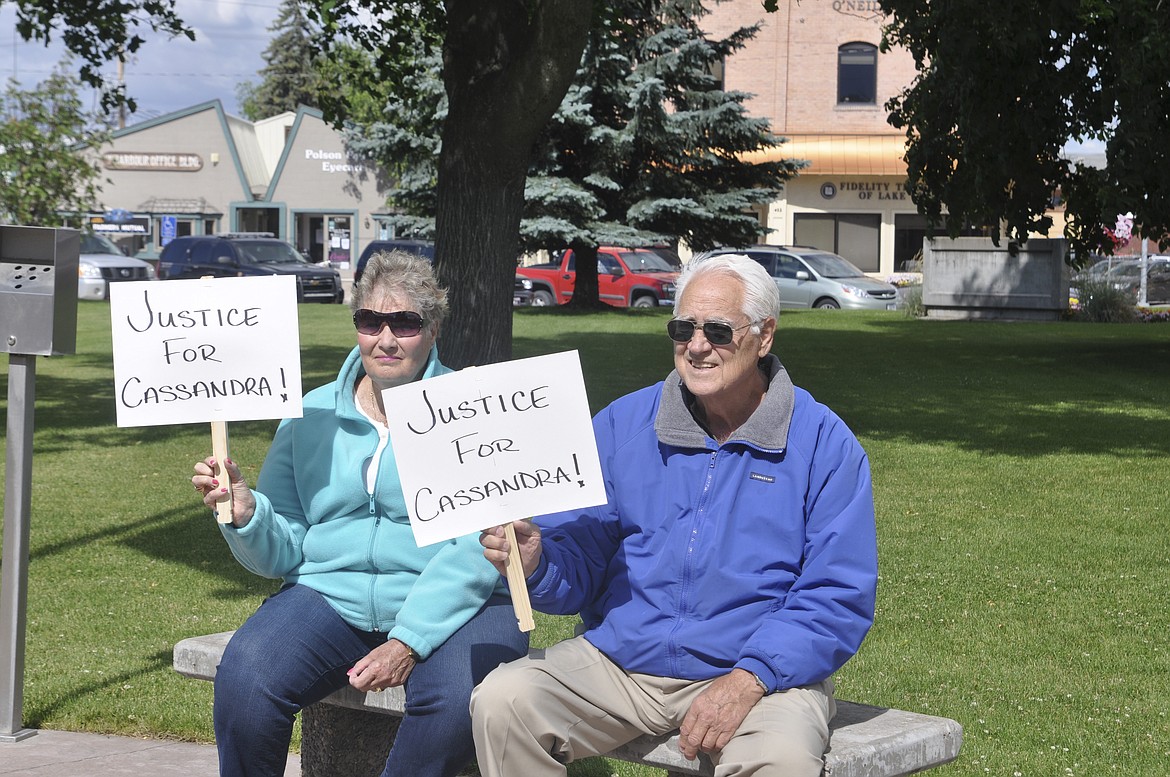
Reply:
x=423, y=248
x=521, y=289
x=248, y=253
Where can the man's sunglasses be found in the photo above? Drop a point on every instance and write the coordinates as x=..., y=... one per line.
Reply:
x=716, y=332
x=402, y=323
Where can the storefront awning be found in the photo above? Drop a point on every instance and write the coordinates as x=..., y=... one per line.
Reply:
x=869, y=155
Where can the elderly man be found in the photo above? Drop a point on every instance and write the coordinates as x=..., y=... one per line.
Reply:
x=732, y=571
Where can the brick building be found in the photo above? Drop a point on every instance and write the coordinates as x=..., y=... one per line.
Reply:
x=816, y=73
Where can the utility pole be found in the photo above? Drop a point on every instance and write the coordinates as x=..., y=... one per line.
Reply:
x=121, y=83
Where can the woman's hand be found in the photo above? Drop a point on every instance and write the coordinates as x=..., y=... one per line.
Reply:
x=496, y=546
x=212, y=491
x=386, y=666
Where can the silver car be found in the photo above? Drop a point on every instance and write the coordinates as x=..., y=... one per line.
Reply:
x=812, y=278
x=101, y=263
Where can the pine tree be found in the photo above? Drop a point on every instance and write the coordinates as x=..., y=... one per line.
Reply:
x=405, y=142
x=288, y=80
x=648, y=147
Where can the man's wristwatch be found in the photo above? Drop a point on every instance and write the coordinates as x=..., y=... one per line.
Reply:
x=760, y=683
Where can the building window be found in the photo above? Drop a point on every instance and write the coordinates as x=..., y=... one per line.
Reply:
x=718, y=72
x=855, y=236
x=857, y=74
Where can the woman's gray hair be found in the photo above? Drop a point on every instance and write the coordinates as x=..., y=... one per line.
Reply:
x=403, y=275
x=761, y=298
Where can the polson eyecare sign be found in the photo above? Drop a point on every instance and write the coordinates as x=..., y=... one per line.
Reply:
x=488, y=445
x=220, y=349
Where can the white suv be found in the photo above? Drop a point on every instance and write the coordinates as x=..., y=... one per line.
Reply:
x=812, y=278
x=101, y=263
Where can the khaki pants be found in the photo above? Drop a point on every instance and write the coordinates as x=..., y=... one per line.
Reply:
x=534, y=715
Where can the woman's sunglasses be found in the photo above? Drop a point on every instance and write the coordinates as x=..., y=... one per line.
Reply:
x=716, y=332
x=402, y=323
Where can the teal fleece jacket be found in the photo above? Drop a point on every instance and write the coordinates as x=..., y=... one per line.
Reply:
x=317, y=525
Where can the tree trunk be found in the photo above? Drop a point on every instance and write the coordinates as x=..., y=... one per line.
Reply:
x=586, y=287
x=507, y=65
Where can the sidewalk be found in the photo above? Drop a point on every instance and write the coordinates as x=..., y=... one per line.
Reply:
x=69, y=754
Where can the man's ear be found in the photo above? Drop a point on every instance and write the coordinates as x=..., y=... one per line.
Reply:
x=767, y=334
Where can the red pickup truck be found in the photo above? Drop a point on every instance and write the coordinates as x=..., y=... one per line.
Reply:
x=634, y=277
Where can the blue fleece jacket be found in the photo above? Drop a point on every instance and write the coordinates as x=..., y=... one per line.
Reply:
x=317, y=525
x=760, y=553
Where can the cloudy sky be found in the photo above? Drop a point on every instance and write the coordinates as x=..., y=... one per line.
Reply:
x=165, y=75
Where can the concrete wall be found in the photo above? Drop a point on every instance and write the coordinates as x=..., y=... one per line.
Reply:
x=969, y=277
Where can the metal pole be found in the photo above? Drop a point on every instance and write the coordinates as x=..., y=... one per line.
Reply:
x=1145, y=266
x=14, y=583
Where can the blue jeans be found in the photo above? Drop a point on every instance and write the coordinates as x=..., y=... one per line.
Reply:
x=296, y=650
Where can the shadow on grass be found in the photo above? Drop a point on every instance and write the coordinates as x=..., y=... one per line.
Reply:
x=996, y=388
x=54, y=708
x=187, y=536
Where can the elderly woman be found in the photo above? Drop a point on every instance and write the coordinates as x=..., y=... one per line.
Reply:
x=361, y=603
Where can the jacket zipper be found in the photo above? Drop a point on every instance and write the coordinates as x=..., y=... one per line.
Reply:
x=373, y=511
x=688, y=562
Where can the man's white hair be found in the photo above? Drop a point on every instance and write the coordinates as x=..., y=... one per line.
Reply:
x=761, y=298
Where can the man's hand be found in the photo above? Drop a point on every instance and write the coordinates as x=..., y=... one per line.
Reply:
x=716, y=713
x=496, y=546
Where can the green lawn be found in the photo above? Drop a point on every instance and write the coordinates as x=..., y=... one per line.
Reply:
x=1021, y=479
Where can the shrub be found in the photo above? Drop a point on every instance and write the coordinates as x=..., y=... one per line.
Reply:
x=912, y=301
x=1101, y=303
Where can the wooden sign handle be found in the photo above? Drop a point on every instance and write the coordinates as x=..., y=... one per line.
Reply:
x=219, y=449
x=516, y=582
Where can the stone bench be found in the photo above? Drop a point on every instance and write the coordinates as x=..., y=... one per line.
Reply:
x=865, y=741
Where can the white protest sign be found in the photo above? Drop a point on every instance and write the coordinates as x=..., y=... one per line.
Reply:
x=216, y=349
x=487, y=445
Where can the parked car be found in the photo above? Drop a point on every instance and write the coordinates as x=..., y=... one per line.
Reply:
x=521, y=289
x=423, y=248
x=811, y=278
x=1127, y=276
x=248, y=253
x=634, y=277
x=102, y=263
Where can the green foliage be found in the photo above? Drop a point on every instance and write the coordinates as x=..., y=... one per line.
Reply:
x=912, y=301
x=647, y=147
x=391, y=45
x=402, y=136
x=1023, y=541
x=354, y=87
x=289, y=78
x=1102, y=303
x=99, y=32
x=1003, y=87
x=505, y=67
x=47, y=145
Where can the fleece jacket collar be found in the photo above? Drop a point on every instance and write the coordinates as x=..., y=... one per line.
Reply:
x=766, y=429
x=352, y=371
